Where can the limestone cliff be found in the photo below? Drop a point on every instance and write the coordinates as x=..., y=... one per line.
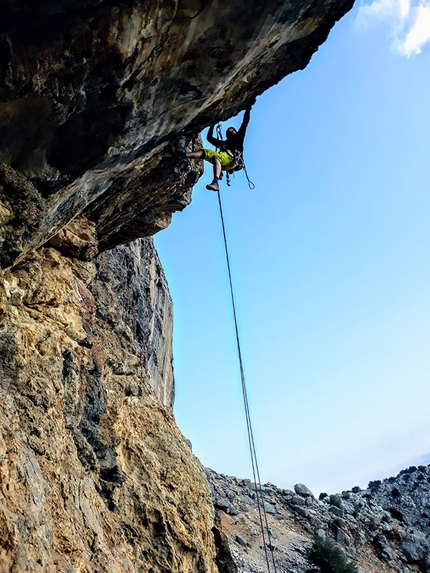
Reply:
x=95, y=475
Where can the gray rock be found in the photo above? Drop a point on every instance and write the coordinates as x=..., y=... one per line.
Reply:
x=386, y=527
x=269, y=508
x=297, y=500
x=267, y=489
x=221, y=503
x=246, y=499
x=388, y=553
x=240, y=540
x=301, y=489
x=302, y=511
x=338, y=511
x=342, y=537
x=415, y=547
x=399, y=522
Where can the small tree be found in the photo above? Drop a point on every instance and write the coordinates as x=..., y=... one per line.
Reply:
x=374, y=485
x=357, y=508
x=325, y=557
x=336, y=501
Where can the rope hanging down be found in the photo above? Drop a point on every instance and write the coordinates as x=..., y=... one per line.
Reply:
x=254, y=462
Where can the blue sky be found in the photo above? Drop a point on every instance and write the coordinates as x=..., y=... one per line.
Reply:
x=330, y=264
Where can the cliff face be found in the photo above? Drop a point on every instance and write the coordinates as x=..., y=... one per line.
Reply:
x=95, y=475
x=384, y=528
x=134, y=304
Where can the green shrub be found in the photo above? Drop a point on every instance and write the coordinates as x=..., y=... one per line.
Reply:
x=374, y=485
x=325, y=557
x=374, y=523
x=336, y=523
x=335, y=500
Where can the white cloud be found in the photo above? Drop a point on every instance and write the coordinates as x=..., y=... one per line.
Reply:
x=383, y=10
x=419, y=33
x=409, y=21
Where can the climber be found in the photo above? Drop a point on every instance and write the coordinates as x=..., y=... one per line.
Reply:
x=229, y=156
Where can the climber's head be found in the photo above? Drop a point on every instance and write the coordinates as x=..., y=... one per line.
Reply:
x=231, y=132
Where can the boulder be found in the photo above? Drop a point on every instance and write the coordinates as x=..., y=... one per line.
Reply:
x=302, y=490
x=415, y=547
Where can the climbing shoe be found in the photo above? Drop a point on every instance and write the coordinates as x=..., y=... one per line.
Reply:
x=213, y=186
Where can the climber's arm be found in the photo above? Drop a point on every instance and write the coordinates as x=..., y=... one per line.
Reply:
x=245, y=121
x=213, y=140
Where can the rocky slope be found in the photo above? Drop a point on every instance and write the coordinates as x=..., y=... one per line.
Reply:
x=94, y=473
x=385, y=528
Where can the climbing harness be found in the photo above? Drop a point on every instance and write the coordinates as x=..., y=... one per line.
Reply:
x=238, y=159
x=265, y=531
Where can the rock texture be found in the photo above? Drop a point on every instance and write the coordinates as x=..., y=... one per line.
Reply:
x=134, y=303
x=94, y=474
x=385, y=528
x=92, y=91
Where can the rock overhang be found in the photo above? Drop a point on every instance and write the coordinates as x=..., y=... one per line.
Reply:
x=91, y=93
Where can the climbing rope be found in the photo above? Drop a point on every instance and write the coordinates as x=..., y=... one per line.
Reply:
x=251, y=185
x=253, y=452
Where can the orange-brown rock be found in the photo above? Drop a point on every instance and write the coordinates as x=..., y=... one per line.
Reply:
x=95, y=475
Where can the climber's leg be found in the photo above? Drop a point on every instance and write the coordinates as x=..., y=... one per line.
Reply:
x=214, y=186
x=217, y=168
x=196, y=154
